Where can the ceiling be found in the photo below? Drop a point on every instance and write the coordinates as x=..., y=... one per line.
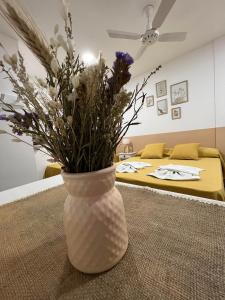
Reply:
x=203, y=20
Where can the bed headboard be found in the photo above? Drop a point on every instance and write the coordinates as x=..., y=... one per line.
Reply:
x=209, y=137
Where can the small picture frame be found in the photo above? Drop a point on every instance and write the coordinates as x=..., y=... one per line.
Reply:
x=179, y=92
x=150, y=101
x=176, y=113
x=161, y=88
x=162, y=107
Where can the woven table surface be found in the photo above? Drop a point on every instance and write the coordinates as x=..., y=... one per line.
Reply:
x=176, y=251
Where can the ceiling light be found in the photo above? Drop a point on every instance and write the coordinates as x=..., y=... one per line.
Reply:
x=89, y=58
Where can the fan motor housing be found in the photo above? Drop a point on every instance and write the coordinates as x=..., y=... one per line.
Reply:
x=150, y=36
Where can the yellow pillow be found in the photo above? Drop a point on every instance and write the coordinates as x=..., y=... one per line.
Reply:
x=208, y=152
x=139, y=152
x=116, y=158
x=167, y=151
x=185, y=151
x=153, y=151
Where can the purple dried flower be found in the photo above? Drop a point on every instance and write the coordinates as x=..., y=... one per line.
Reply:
x=125, y=57
x=129, y=60
x=16, y=131
x=3, y=117
x=119, y=54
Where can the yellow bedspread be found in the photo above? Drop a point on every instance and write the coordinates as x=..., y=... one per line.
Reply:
x=52, y=170
x=210, y=185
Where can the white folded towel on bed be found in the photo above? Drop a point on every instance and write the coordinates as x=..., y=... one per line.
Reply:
x=176, y=172
x=180, y=168
x=131, y=167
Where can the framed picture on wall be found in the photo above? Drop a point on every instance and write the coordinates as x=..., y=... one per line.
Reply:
x=179, y=92
x=161, y=89
x=162, y=107
x=150, y=101
x=176, y=113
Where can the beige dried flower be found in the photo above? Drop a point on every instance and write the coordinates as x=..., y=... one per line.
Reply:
x=54, y=65
x=14, y=59
x=42, y=82
x=29, y=86
x=53, y=42
x=71, y=97
x=69, y=120
x=62, y=42
x=23, y=24
x=52, y=104
x=59, y=105
x=75, y=81
x=59, y=123
x=77, y=111
x=7, y=59
x=70, y=47
x=65, y=9
x=52, y=91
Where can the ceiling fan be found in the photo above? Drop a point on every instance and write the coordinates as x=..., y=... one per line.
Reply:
x=151, y=34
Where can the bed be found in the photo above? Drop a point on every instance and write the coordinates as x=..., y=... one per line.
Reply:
x=210, y=185
x=52, y=169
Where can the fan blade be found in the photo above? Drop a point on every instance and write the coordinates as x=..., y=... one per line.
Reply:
x=172, y=37
x=123, y=34
x=141, y=51
x=162, y=13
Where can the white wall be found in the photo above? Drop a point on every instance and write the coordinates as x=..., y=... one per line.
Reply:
x=41, y=160
x=17, y=160
x=219, y=50
x=204, y=68
x=11, y=46
x=34, y=68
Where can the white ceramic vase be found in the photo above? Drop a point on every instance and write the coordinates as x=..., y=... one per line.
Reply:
x=94, y=221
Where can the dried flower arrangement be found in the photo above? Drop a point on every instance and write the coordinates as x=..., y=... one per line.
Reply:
x=77, y=112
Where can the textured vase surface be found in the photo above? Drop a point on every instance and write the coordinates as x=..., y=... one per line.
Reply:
x=94, y=221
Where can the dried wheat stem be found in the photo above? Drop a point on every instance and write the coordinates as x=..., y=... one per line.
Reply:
x=27, y=30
